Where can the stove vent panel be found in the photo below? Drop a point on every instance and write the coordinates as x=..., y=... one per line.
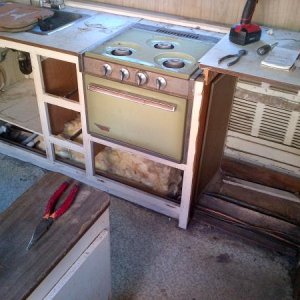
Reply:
x=178, y=33
x=194, y=36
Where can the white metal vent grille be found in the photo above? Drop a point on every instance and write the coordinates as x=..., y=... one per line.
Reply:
x=242, y=116
x=264, y=127
x=274, y=124
x=296, y=138
x=265, y=122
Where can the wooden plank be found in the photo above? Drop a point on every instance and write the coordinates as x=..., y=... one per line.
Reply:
x=250, y=236
x=282, y=14
x=248, y=218
x=16, y=227
x=272, y=201
x=260, y=174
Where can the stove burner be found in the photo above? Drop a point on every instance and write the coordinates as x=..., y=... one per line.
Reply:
x=164, y=45
x=174, y=63
x=121, y=51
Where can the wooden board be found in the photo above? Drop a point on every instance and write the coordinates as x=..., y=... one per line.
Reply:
x=285, y=232
x=20, y=17
x=221, y=95
x=18, y=222
x=280, y=13
x=260, y=174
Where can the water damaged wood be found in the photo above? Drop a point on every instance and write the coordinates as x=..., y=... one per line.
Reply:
x=29, y=268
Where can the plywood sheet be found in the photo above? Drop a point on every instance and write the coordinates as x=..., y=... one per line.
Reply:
x=277, y=13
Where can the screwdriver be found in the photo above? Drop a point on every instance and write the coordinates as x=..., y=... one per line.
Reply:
x=265, y=49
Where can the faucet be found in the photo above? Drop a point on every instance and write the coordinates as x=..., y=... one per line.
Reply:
x=56, y=4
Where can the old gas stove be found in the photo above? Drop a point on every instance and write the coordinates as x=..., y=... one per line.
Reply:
x=143, y=54
x=138, y=83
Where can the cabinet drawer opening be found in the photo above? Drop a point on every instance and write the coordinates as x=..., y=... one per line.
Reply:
x=65, y=123
x=137, y=171
x=60, y=78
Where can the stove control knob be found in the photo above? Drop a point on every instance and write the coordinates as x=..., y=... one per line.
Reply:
x=124, y=74
x=107, y=69
x=161, y=83
x=141, y=78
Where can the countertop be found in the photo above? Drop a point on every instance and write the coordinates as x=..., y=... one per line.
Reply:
x=249, y=67
x=80, y=36
x=21, y=270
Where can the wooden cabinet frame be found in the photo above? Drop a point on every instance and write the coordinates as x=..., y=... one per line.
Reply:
x=49, y=93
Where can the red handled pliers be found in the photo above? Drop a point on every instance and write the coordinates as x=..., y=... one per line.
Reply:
x=50, y=215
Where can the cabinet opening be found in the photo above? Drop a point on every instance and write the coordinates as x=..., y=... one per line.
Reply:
x=69, y=156
x=65, y=123
x=22, y=138
x=18, y=101
x=139, y=172
x=60, y=78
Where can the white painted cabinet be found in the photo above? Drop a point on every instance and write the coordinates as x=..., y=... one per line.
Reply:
x=85, y=272
x=55, y=95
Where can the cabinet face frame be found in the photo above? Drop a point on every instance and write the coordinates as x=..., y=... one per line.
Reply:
x=158, y=204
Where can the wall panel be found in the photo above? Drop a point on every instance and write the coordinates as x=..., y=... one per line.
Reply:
x=276, y=13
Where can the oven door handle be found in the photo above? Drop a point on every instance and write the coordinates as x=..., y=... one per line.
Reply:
x=130, y=97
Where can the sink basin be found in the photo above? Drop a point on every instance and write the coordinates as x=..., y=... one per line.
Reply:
x=60, y=20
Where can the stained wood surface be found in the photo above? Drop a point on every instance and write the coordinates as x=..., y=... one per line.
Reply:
x=59, y=77
x=20, y=270
x=21, y=17
x=256, y=237
x=273, y=201
x=278, y=13
x=259, y=174
x=221, y=95
x=251, y=220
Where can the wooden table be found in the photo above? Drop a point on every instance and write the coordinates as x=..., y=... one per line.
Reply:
x=30, y=273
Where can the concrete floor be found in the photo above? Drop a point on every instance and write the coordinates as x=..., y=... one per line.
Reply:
x=153, y=259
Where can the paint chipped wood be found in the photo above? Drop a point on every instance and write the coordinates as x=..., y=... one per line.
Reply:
x=18, y=222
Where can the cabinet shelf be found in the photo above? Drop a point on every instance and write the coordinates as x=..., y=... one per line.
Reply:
x=18, y=106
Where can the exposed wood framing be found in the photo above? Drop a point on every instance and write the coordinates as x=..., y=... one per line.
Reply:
x=260, y=174
x=269, y=229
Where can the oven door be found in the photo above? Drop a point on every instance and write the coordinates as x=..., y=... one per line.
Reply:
x=137, y=117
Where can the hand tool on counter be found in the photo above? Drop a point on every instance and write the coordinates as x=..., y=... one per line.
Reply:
x=246, y=32
x=50, y=215
x=265, y=48
x=237, y=57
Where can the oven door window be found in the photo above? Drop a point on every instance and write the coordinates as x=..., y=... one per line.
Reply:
x=136, y=117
